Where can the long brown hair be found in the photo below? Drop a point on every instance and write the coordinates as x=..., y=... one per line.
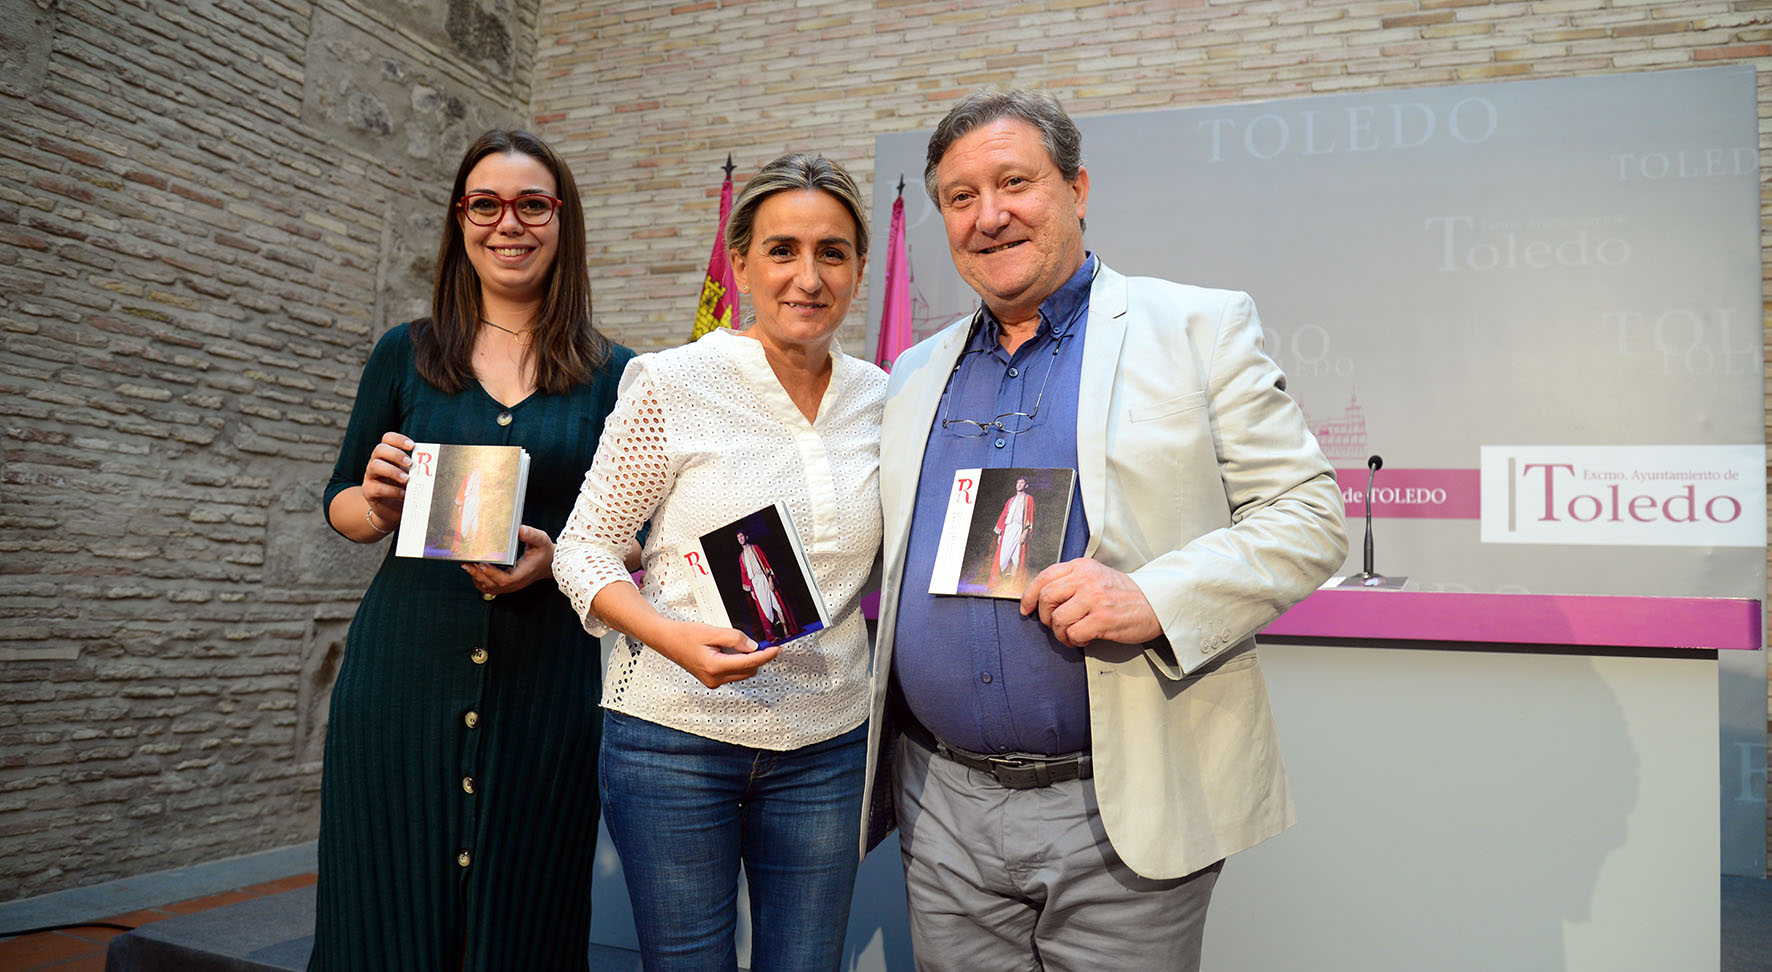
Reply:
x=567, y=349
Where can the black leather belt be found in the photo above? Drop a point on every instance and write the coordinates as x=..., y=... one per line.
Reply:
x=1015, y=772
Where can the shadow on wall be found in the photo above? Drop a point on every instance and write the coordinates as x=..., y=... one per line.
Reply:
x=304, y=557
x=1426, y=782
x=879, y=929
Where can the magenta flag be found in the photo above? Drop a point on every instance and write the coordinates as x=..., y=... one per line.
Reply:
x=718, y=306
x=895, y=317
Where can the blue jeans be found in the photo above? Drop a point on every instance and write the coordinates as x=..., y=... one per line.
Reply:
x=684, y=811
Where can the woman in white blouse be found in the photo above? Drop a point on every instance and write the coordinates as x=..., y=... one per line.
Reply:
x=715, y=751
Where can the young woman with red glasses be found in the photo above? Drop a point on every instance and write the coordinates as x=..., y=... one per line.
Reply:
x=459, y=800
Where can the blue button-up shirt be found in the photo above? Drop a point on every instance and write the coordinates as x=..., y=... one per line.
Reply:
x=973, y=670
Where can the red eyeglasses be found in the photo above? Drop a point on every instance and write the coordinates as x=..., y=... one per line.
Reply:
x=487, y=209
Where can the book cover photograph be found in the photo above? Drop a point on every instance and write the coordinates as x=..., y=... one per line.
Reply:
x=1003, y=526
x=464, y=503
x=752, y=574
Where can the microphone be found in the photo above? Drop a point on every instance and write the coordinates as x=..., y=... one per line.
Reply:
x=1373, y=465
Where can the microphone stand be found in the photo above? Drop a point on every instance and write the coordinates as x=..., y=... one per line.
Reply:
x=1367, y=576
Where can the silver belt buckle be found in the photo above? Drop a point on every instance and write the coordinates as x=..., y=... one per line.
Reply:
x=1004, y=769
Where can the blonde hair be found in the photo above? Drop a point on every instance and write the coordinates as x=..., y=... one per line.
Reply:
x=795, y=170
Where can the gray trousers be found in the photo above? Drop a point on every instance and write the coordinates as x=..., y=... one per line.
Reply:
x=1003, y=880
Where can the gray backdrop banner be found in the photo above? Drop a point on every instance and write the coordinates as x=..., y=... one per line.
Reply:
x=1539, y=301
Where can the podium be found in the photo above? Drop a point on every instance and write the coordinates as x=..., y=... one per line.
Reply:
x=1489, y=782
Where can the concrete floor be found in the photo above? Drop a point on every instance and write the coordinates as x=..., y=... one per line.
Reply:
x=1746, y=914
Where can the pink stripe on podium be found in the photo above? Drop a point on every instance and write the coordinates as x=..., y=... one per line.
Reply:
x=1597, y=621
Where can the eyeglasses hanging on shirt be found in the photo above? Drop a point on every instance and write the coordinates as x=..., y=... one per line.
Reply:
x=1008, y=423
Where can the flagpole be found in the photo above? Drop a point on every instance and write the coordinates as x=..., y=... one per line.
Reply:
x=718, y=306
x=895, y=310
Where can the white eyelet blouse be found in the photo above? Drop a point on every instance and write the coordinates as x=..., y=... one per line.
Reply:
x=702, y=435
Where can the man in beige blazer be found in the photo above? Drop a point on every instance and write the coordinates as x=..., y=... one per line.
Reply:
x=1068, y=772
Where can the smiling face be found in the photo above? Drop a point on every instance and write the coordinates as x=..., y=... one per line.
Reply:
x=513, y=260
x=1014, y=223
x=801, y=269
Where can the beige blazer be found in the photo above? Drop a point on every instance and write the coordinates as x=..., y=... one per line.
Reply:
x=1201, y=481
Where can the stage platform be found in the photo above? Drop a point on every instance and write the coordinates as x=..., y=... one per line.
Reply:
x=275, y=931
x=269, y=934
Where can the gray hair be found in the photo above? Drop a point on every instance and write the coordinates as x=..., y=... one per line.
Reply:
x=1064, y=144
x=795, y=170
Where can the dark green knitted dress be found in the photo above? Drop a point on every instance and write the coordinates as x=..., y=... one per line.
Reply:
x=459, y=797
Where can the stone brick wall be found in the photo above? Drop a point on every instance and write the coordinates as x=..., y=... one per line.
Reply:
x=210, y=208
x=208, y=211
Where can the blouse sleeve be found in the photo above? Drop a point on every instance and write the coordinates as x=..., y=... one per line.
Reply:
x=375, y=411
x=630, y=476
